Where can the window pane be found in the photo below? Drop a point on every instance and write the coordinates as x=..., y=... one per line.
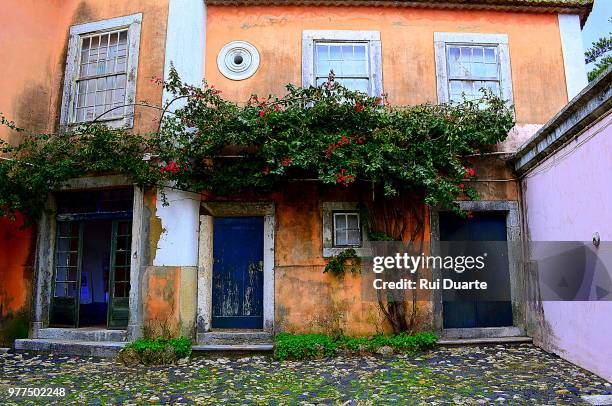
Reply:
x=491, y=71
x=353, y=237
x=477, y=55
x=353, y=221
x=340, y=221
x=65, y=289
x=489, y=55
x=335, y=53
x=341, y=237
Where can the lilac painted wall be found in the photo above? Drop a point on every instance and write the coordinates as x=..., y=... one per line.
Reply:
x=568, y=197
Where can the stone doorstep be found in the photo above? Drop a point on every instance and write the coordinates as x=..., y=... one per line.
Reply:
x=232, y=348
x=82, y=334
x=482, y=332
x=484, y=341
x=71, y=347
x=252, y=337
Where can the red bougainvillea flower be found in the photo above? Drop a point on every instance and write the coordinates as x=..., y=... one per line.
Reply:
x=470, y=172
x=469, y=215
x=359, y=107
x=343, y=178
x=262, y=113
x=171, y=167
x=343, y=141
x=286, y=161
x=461, y=186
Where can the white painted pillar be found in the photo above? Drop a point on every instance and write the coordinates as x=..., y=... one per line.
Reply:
x=180, y=219
x=180, y=222
x=186, y=41
x=573, y=54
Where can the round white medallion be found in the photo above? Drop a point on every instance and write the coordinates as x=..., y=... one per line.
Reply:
x=238, y=60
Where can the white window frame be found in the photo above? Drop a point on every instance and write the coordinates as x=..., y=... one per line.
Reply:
x=346, y=214
x=443, y=39
x=77, y=32
x=327, y=212
x=371, y=38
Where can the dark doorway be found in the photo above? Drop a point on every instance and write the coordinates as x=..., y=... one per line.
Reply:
x=95, y=272
x=91, y=282
x=464, y=310
x=237, y=294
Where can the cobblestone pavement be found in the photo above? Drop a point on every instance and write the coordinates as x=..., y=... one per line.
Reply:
x=468, y=375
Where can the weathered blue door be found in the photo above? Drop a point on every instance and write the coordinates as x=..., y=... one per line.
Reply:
x=467, y=310
x=238, y=272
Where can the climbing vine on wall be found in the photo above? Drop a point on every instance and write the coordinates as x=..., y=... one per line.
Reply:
x=337, y=136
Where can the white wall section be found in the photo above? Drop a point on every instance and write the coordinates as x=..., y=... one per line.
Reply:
x=180, y=222
x=186, y=40
x=180, y=219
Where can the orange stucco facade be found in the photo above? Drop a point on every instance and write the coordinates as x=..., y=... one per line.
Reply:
x=35, y=38
x=407, y=38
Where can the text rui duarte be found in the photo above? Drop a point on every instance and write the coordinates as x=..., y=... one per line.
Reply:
x=411, y=263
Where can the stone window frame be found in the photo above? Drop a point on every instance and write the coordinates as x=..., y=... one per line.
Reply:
x=372, y=38
x=327, y=216
x=442, y=39
x=133, y=24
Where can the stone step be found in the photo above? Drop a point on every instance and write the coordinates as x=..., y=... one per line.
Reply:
x=70, y=347
x=250, y=337
x=484, y=341
x=205, y=348
x=81, y=334
x=482, y=332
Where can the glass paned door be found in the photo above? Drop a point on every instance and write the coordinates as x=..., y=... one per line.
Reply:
x=119, y=280
x=67, y=280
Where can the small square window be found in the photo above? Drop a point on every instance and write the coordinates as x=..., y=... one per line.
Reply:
x=347, y=229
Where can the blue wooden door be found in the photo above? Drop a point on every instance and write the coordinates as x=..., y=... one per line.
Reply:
x=469, y=310
x=238, y=272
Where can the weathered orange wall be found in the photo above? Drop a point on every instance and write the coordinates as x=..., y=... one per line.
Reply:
x=16, y=264
x=407, y=49
x=34, y=44
x=306, y=299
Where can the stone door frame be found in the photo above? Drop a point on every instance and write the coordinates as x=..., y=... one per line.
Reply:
x=205, y=258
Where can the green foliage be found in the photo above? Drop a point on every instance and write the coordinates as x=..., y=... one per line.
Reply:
x=338, y=264
x=42, y=162
x=290, y=346
x=155, y=351
x=14, y=326
x=600, y=67
x=337, y=136
x=599, y=53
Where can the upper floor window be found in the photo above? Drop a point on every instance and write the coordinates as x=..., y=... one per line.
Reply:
x=466, y=63
x=100, y=79
x=353, y=56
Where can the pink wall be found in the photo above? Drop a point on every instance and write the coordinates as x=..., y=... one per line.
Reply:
x=568, y=197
